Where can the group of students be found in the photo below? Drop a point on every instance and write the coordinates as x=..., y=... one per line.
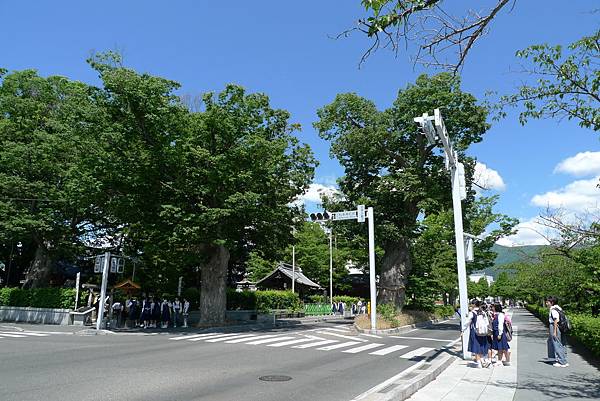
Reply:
x=151, y=313
x=489, y=335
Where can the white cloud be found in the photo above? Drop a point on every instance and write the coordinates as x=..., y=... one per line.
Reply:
x=578, y=197
x=582, y=164
x=529, y=232
x=488, y=178
x=314, y=192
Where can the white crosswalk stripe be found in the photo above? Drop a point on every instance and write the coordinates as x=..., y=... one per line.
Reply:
x=297, y=341
x=13, y=335
x=388, y=350
x=240, y=340
x=338, y=330
x=416, y=352
x=21, y=334
x=188, y=337
x=363, y=348
x=269, y=340
x=336, y=346
x=211, y=336
x=215, y=340
x=316, y=344
x=300, y=340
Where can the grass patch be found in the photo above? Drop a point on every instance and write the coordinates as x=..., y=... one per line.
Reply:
x=404, y=318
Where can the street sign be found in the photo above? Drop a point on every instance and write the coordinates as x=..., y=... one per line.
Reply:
x=361, y=213
x=99, y=264
x=345, y=215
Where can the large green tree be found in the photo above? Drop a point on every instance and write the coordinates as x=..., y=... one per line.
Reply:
x=390, y=166
x=48, y=193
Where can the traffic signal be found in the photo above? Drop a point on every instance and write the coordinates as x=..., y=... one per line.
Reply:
x=426, y=128
x=320, y=216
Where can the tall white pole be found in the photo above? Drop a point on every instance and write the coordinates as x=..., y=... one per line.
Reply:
x=460, y=259
x=103, y=290
x=293, y=268
x=330, y=268
x=373, y=289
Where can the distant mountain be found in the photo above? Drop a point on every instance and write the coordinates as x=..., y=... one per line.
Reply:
x=512, y=254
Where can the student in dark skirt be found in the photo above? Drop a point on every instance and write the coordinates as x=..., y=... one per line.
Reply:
x=499, y=341
x=146, y=313
x=165, y=313
x=155, y=312
x=478, y=345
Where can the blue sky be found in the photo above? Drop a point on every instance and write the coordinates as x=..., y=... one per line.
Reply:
x=286, y=50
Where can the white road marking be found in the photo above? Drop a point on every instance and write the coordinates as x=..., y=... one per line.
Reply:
x=416, y=352
x=336, y=346
x=187, y=337
x=309, y=345
x=370, y=335
x=388, y=350
x=13, y=335
x=363, y=348
x=269, y=340
x=216, y=340
x=389, y=381
x=421, y=338
x=343, y=336
x=240, y=340
x=24, y=333
x=297, y=341
x=338, y=330
x=212, y=336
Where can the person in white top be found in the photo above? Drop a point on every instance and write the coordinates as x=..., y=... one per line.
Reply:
x=556, y=345
x=186, y=312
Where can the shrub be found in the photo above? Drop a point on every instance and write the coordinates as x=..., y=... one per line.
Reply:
x=244, y=300
x=389, y=313
x=347, y=299
x=442, y=311
x=269, y=300
x=38, y=297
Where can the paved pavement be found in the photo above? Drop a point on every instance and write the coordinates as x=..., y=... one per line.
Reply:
x=529, y=378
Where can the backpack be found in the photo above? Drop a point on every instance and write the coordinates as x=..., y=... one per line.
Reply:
x=564, y=324
x=482, y=324
x=508, y=329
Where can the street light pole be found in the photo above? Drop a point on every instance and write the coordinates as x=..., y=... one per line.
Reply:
x=293, y=268
x=372, y=287
x=103, y=291
x=330, y=268
x=458, y=193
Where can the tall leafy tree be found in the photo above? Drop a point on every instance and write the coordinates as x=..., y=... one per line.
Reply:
x=47, y=189
x=390, y=166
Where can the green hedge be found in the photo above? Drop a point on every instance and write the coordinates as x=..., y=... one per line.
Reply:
x=585, y=328
x=63, y=298
x=263, y=301
x=442, y=311
x=322, y=299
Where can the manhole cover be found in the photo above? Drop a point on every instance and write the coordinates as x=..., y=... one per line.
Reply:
x=275, y=378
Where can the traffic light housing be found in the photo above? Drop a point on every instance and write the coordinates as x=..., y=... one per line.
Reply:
x=320, y=216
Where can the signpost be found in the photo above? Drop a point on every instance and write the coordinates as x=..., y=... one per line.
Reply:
x=106, y=263
x=360, y=214
x=77, y=281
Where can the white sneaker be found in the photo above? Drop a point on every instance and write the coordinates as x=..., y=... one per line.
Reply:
x=560, y=365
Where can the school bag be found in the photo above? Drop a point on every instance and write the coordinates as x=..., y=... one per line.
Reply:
x=482, y=324
x=508, y=329
x=564, y=324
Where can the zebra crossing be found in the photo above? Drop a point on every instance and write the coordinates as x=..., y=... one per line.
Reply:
x=6, y=335
x=324, y=339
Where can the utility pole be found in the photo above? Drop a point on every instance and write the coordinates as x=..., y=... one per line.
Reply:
x=103, y=291
x=434, y=129
x=330, y=267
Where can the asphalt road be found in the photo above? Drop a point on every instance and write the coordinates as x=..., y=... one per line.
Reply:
x=328, y=361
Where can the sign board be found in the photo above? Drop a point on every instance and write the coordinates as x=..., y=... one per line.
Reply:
x=462, y=186
x=117, y=264
x=469, y=254
x=99, y=264
x=346, y=215
x=361, y=213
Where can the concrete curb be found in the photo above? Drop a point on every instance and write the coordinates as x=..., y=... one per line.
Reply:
x=408, y=382
x=400, y=330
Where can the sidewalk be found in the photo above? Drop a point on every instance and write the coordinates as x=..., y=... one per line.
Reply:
x=529, y=378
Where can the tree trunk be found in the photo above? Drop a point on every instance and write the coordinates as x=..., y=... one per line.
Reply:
x=395, y=268
x=213, y=299
x=39, y=272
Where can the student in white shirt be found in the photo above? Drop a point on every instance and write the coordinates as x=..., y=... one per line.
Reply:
x=556, y=346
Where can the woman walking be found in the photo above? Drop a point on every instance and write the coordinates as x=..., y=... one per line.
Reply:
x=499, y=341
